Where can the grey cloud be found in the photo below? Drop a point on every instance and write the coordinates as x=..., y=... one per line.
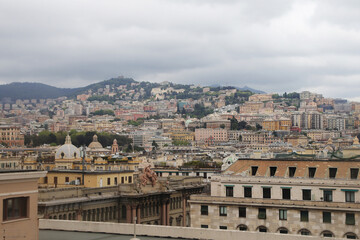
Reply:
x=272, y=45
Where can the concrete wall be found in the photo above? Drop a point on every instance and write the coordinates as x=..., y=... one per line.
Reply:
x=163, y=231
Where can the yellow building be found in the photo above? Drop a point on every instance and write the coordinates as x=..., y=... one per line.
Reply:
x=274, y=125
x=182, y=136
x=88, y=179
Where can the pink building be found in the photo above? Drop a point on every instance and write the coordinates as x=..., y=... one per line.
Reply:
x=210, y=135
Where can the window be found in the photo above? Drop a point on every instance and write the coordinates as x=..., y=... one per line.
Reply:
x=45, y=180
x=262, y=213
x=204, y=210
x=130, y=179
x=229, y=191
x=108, y=181
x=292, y=171
x=223, y=227
x=354, y=172
x=283, y=230
x=222, y=211
x=351, y=236
x=349, y=196
x=272, y=171
x=312, y=172
x=248, y=192
x=282, y=214
x=115, y=180
x=327, y=234
x=328, y=195
x=15, y=208
x=242, y=212
x=122, y=180
x=304, y=216
x=350, y=219
x=304, y=232
x=55, y=180
x=332, y=172
x=67, y=179
x=306, y=194
x=254, y=170
x=242, y=227
x=286, y=193
x=262, y=229
x=326, y=217
x=204, y=226
x=266, y=192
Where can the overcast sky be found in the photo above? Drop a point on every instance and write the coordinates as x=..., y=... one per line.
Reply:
x=271, y=45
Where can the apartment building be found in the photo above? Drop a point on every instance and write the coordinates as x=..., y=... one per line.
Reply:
x=11, y=136
x=305, y=197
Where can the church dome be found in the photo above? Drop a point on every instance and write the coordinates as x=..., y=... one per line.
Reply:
x=67, y=151
x=95, y=143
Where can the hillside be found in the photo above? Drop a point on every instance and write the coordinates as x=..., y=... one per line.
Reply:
x=28, y=90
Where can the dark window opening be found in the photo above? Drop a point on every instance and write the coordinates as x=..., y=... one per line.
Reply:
x=229, y=191
x=306, y=194
x=286, y=193
x=350, y=219
x=262, y=229
x=332, y=172
x=272, y=171
x=15, y=208
x=248, y=192
x=354, y=172
x=223, y=227
x=292, y=171
x=204, y=210
x=304, y=216
x=267, y=192
x=328, y=195
x=312, y=172
x=262, y=213
x=204, y=226
x=326, y=217
x=254, y=170
x=242, y=212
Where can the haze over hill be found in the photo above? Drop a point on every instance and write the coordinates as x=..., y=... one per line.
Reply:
x=33, y=90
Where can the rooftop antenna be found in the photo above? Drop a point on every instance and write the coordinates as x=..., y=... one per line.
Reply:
x=134, y=238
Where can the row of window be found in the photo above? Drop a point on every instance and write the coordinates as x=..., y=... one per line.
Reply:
x=354, y=172
x=304, y=214
x=283, y=230
x=286, y=193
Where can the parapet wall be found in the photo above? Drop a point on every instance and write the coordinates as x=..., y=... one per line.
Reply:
x=164, y=231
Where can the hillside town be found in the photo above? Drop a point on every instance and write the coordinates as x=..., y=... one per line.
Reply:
x=184, y=155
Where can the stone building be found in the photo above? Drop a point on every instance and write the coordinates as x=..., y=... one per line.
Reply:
x=305, y=197
x=163, y=202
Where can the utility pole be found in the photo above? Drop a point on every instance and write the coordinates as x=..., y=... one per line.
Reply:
x=82, y=154
x=134, y=238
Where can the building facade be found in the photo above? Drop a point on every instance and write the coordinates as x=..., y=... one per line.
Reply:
x=305, y=197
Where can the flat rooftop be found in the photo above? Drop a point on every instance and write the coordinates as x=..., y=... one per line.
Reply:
x=68, y=235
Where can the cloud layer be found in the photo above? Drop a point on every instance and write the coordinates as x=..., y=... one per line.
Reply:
x=271, y=45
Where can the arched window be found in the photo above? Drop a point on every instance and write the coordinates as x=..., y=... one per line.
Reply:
x=283, y=230
x=262, y=229
x=242, y=227
x=62, y=155
x=327, y=233
x=304, y=231
x=350, y=235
